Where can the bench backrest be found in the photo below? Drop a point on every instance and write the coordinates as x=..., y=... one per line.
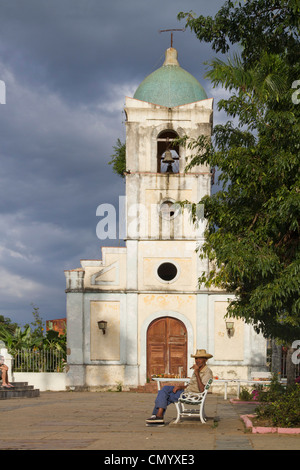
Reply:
x=192, y=398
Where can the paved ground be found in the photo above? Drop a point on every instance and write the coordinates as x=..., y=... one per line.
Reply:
x=116, y=421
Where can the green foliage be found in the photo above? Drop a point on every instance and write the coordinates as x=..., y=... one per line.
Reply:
x=32, y=338
x=37, y=324
x=118, y=158
x=283, y=411
x=7, y=325
x=253, y=221
x=245, y=395
x=257, y=25
x=119, y=386
x=53, y=340
x=39, y=360
x=17, y=339
x=278, y=405
x=273, y=392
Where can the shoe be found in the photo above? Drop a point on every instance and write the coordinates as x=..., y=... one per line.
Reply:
x=155, y=421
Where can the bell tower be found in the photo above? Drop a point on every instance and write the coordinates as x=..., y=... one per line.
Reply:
x=169, y=104
x=162, y=264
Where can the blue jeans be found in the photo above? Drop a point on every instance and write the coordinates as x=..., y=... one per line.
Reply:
x=165, y=397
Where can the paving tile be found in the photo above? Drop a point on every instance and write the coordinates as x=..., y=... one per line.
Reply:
x=116, y=421
x=233, y=443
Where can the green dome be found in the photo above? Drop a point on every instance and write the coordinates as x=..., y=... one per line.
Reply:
x=170, y=85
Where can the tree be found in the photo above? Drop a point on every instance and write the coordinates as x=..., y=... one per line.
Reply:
x=37, y=324
x=18, y=339
x=31, y=337
x=253, y=222
x=118, y=158
x=270, y=26
x=7, y=325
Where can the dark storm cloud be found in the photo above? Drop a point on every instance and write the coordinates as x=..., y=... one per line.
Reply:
x=78, y=47
x=67, y=66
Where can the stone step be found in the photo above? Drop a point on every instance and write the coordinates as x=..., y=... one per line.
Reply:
x=19, y=390
x=18, y=386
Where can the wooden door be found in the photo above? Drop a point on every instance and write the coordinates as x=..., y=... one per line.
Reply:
x=166, y=347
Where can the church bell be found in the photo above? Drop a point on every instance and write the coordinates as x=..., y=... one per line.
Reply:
x=168, y=159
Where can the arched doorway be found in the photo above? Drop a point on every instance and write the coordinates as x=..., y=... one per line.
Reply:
x=166, y=347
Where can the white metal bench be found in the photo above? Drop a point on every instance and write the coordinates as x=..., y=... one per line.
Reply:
x=191, y=398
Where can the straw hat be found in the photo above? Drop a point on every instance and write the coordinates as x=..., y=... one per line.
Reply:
x=202, y=353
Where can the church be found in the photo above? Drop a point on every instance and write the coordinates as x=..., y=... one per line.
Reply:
x=138, y=311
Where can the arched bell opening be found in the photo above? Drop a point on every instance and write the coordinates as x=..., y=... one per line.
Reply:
x=167, y=152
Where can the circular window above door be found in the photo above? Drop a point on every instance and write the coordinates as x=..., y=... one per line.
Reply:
x=167, y=272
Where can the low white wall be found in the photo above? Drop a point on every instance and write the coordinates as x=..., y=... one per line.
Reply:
x=53, y=381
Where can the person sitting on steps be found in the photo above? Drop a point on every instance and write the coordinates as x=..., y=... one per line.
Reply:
x=4, y=373
x=170, y=393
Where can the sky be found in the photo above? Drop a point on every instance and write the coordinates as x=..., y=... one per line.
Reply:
x=67, y=66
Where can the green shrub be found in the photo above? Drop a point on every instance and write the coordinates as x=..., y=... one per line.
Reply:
x=245, y=395
x=274, y=391
x=284, y=410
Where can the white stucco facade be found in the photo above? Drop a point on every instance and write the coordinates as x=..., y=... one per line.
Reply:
x=155, y=276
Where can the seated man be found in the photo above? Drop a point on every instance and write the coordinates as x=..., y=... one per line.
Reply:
x=170, y=394
x=4, y=373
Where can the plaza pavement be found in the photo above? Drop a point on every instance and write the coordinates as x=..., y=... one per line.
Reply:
x=115, y=421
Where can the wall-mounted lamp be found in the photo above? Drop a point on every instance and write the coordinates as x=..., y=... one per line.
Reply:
x=230, y=328
x=102, y=325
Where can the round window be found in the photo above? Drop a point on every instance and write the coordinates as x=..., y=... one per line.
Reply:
x=169, y=210
x=167, y=271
